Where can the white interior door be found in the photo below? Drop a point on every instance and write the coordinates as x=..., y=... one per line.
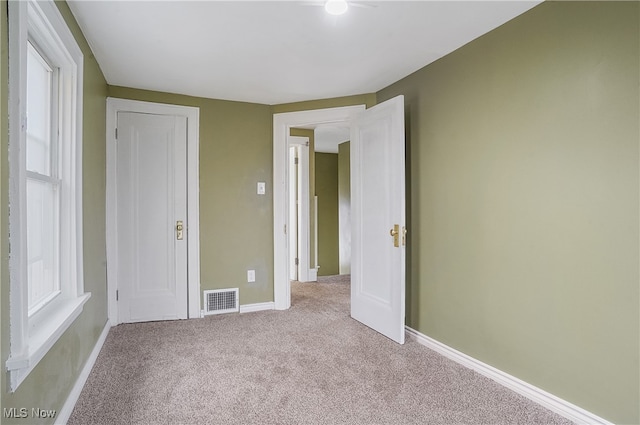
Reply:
x=151, y=199
x=293, y=213
x=301, y=145
x=378, y=218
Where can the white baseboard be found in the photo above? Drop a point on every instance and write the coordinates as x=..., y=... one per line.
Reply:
x=535, y=394
x=249, y=308
x=65, y=413
x=313, y=274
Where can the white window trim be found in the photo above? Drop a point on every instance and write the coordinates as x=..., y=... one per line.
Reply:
x=31, y=339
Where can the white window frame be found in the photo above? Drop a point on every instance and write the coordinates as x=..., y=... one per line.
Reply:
x=51, y=177
x=32, y=337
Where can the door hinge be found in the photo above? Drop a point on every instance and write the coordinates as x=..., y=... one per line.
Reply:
x=117, y=295
x=297, y=261
x=116, y=133
x=295, y=161
x=285, y=229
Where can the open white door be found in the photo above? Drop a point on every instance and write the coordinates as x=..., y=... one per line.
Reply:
x=293, y=213
x=302, y=194
x=378, y=218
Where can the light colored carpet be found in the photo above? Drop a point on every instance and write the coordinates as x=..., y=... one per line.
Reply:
x=312, y=364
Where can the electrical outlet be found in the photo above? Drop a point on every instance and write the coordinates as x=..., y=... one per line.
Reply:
x=262, y=187
x=251, y=275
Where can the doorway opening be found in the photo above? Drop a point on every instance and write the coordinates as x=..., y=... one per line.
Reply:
x=319, y=204
x=378, y=234
x=283, y=123
x=333, y=199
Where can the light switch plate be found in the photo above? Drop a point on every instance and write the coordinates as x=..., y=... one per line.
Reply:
x=251, y=275
x=261, y=188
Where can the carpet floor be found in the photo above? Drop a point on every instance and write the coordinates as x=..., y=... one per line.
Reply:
x=311, y=364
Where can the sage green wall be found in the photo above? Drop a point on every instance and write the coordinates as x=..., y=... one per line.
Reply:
x=49, y=384
x=344, y=206
x=236, y=224
x=327, y=192
x=524, y=192
x=362, y=99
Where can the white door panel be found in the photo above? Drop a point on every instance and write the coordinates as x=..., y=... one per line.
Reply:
x=293, y=213
x=378, y=203
x=301, y=222
x=151, y=198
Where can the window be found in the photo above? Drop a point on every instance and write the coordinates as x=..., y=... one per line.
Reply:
x=45, y=170
x=42, y=184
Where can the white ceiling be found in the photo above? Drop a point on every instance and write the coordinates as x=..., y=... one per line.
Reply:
x=274, y=52
x=326, y=138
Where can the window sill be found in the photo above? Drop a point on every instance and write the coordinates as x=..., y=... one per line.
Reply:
x=42, y=338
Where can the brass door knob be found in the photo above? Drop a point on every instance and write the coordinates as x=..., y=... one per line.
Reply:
x=179, y=230
x=395, y=232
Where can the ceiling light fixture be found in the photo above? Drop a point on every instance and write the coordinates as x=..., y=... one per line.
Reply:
x=336, y=7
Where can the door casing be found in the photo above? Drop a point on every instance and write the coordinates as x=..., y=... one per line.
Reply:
x=301, y=226
x=192, y=114
x=282, y=123
x=293, y=212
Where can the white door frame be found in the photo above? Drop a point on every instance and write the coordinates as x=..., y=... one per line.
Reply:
x=282, y=123
x=192, y=114
x=293, y=214
x=302, y=226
